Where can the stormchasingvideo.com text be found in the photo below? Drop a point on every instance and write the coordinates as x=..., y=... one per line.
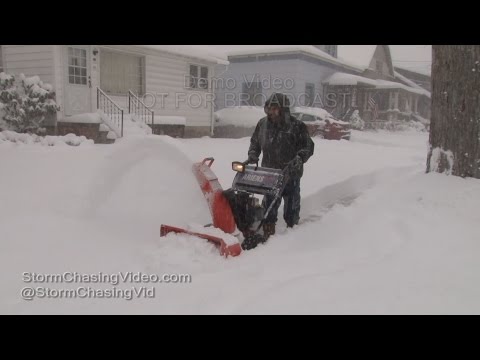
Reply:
x=69, y=277
x=45, y=286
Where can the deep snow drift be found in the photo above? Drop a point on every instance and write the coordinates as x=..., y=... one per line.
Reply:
x=377, y=234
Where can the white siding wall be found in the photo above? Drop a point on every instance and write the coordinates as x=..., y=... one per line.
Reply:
x=286, y=72
x=165, y=73
x=30, y=60
x=275, y=75
x=59, y=68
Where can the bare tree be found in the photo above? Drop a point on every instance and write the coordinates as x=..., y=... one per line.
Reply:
x=455, y=121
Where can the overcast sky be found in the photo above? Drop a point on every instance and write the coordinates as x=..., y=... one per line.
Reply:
x=413, y=57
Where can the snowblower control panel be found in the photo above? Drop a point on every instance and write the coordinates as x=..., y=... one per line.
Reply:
x=258, y=180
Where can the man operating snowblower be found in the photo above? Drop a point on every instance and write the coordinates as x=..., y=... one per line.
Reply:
x=285, y=143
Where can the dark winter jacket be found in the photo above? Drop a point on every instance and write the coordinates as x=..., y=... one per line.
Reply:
x=280, y=143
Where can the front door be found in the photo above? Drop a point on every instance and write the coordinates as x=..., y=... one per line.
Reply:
x=77, y=79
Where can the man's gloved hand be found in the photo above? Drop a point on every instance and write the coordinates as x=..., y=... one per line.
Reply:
x=295, y=165
x=252, y=159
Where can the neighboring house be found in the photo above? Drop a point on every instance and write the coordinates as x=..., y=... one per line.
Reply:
x=339, y=78
x=377, y=91
x=254, y=72
x=422, y=80
x=172, y=80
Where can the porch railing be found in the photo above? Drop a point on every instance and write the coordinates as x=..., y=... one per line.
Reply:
x=110, y=108
x=137, y=107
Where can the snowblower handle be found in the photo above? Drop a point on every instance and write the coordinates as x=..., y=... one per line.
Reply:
x=247, y=162
x=211, y=159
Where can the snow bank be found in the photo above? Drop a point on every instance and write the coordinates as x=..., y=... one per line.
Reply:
x=378, y=236
x=27, y=139
x=248, y=116
x=239, y=116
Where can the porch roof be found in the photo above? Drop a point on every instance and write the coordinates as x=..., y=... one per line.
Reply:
x=344, y=79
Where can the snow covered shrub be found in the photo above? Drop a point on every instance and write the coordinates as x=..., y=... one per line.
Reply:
x=26, y=102
x=404, y=126
x=33, y=139
x=356, y=121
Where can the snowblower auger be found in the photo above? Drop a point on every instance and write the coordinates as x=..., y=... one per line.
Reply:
x=220, y=210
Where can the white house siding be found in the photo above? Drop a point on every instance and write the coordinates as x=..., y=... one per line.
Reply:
x=59, y=68
x=30, y=60
x=165, y=74
x=293, y=69
x=275, y=75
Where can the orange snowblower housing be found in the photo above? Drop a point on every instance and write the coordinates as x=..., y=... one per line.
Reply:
x=219, y=206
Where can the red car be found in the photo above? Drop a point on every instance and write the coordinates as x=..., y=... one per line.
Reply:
x=321, y=123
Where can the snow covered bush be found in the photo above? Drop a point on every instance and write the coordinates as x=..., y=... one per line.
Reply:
x=404, y=126
x=33, y=139
x=356, y=121
x=25, y=103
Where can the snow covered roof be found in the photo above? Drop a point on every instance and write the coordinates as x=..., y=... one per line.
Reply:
x=245, y=50
x=359, y=55
x=348, y=79
x=408, y=81
x=418, y=71
x=203, y=52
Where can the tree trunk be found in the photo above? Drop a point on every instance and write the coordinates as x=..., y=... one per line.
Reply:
x=455, y=121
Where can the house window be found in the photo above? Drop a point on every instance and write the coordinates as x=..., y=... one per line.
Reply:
x=252, y=94
x=77, y=66
x=1, y=59
x=121, y=72
x=309, y=94
x=198, y=77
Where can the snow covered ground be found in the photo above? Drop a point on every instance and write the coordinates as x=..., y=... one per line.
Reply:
x=378, y=236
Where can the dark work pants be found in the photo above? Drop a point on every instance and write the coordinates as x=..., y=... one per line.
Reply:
x=291, y=204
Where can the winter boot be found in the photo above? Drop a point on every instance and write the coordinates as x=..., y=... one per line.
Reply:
x=268, y=230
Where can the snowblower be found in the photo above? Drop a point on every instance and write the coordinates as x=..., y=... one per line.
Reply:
x=236, y=209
